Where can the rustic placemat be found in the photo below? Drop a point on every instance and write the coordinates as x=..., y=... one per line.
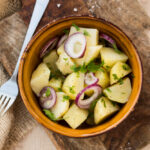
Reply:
x=134, y=132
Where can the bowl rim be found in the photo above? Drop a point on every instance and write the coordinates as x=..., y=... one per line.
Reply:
x=21, y=66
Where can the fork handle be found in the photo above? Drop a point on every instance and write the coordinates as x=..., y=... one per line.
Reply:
x=38, y=12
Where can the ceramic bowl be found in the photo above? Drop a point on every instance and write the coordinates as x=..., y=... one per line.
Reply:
x=30, y=59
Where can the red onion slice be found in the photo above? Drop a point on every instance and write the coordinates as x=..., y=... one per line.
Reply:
x=62, y=40
x=75, y=45
x=90, y=78
x=85, y=104
x=49, y=101
x=49, y=46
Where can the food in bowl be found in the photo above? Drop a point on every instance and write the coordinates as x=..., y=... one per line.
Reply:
x=83, y=77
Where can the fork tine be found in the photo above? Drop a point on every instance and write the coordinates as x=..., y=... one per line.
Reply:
x=2, y=99
x=7, y=107
x=4, y=104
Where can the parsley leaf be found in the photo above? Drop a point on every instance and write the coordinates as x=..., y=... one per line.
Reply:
x=92, y=67
x=66, y=31
x=49, y=114
x=115, y=77
x=71, y=89
x=103, y=102
x=59, y=89
x=65, y=59
x=114, y=104
x=132, y=75
x=65, y=98
x=125, y=67
x=75, y=68
x=48, y=92
x=77, y=28
x=86, y=33
x=116, y=49
x=83, y=68
x=92, y=106
x=120, y=81
x=108, y=89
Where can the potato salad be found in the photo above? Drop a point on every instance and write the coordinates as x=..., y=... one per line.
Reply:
x=83, y=79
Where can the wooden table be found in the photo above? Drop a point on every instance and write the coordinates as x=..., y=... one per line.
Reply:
x=132, y=17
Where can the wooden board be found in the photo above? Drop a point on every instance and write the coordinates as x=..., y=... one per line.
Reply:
x=134, y=132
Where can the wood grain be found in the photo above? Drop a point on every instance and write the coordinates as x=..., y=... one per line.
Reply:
x=134, y=132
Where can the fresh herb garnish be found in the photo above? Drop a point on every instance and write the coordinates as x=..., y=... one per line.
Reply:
x=92, y=106
x=108, y=89
x=120, y=81
x=103, y=102
x=116, y=49
x=86, y=33
x=59, y=89
x=125, y=67
x=107, y=67
x=115, y=77
x=77, y=28
x=65, y=59
x=66, y=31
x=83, y=68
x=48, y=92
x=132, y=75
x=93, y=67
x=114, y=104
x=66, y=98
x=75, y=68
x=49, y=114
x=71, y=89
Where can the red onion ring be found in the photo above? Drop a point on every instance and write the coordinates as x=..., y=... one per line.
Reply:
x=47, y=102
x=62, y=40
x=107, y=38
x=85, y=104
x=90, y=78
x=70, y=43
x=49, y=46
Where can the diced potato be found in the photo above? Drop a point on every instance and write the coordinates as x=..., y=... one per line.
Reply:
x=110, y=57
x=103, y=78
x=93, y=35
x=119, y=92
x=120, y=69
x=88, y=92
x=64, y=63
x=103, y=109
x=55, y=83
x=60, y=50
x=75, y=116
x=61, y=106
x=73, y=84
x=40, y=78
x=51, y=59
x=91, y=53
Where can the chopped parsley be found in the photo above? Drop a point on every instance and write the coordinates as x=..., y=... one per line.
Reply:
x=115, y=77
x=103, y=102
x=59, y=89
x=92, y=106
x=49, y=114
x=66, y=98
x=75, y=68
x=65, y=59
x=83, y=68
x=132, y=75
x=71, y=89
x=66, y=31
x=93, y=67
x=108, y=89
x=86, y=33
x=120, y=81
x=125, y=67
x=77, y=28
x=116, y=49
x=107, y=67
x=114, y=104
x=48, y=92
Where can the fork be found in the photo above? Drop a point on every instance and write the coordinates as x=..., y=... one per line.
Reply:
x=9, y=90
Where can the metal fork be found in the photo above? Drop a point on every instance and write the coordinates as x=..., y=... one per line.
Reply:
x=9, y=90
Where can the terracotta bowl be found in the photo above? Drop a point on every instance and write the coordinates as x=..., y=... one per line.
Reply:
x=30, y=60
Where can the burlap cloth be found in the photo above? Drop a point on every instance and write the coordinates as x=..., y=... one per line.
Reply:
x=17, y=122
